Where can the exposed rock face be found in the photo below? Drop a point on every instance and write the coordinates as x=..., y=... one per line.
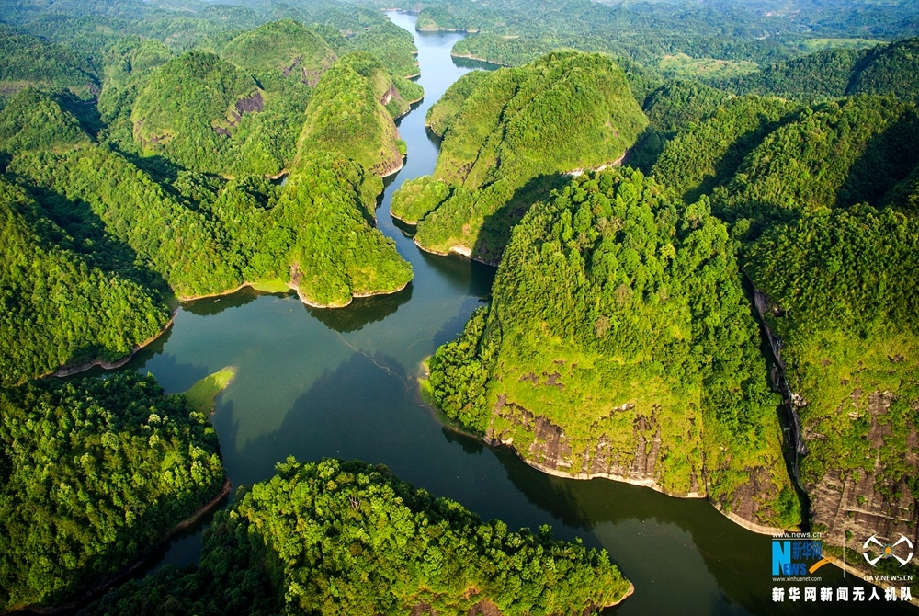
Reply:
x=547, y=448
x=844, y=500
x=853, y=502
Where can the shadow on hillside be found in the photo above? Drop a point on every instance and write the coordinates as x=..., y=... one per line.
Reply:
x=89, y=238
x=889, y=157
x=497, y=227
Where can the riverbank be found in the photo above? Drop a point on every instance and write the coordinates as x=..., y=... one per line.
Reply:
x=65, y=371
x=427, y=397
x=845, y=566
x=463, y=251
x=96, y=590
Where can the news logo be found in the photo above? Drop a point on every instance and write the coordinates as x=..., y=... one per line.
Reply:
x=797, y=556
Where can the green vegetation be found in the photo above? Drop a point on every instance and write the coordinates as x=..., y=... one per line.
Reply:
x=844, y=287
x=708, y=152
x=29, y=60
x=201, y=395
x=838, y=154
x=619, y=331
x=57, y=308
x=417, y=197
x=33, y=120
x=709, y=34
x=672, y=107
x=351, y=538
x=886, y=69
x=281, y=49
x=511, y=139
x=351, y=113
x=681, y=65
x=190, y=105
x=337, y=254
x=95, y=473
x=170, y=237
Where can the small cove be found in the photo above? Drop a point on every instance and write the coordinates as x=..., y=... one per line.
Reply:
x=315, y=383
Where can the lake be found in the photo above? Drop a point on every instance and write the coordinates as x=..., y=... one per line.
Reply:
x=314, y=383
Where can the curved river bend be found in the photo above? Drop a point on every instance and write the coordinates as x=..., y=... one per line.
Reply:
x=315, y=383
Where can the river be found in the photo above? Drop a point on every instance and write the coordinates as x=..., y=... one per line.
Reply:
x=315, y=383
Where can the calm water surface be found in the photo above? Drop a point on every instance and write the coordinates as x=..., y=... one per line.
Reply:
x=316, y=383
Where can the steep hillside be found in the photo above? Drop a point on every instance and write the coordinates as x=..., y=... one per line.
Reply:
x=95, y=473
x=352, y=110
x=190, y=107
x=888, y=69
x=841, y=298
x=56, y=307
x=281, y=49
x=620, y=344
x=33, y=120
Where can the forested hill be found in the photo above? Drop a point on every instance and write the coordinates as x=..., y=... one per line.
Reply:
x=59, y=307
x=351, y=112
x=886, y=69
x=95, y=473
x=508, y=138
x=620, y=343
x=138, y=157
x=719, y=38
x=388, y=546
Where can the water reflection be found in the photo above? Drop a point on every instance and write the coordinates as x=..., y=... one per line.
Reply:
x=362, y=310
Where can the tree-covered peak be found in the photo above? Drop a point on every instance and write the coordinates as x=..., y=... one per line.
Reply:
x=35, y=120
x=285, y=47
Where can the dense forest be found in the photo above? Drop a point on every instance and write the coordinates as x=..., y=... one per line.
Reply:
x=58, y=307
x=619, y=320
x=350, y=538
x=159, y=187
x=508, y=138
x=95, y=473
x=886, y=69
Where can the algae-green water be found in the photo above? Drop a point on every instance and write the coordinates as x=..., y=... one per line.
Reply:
x=315, y=383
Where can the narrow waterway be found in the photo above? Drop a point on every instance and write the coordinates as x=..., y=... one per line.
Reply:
x=343, y=383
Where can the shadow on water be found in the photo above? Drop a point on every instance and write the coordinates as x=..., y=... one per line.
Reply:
x=210, y=306
x=361, y=311
x=475, y=64
x=332, y=419
x=463, y=274
x=406, y=229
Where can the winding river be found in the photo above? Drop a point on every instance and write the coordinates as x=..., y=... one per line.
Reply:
x=315, y=383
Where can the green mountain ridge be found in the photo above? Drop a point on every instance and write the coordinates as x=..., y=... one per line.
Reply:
x=94, y=473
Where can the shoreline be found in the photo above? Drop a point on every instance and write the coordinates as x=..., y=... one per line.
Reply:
x=97, y=589
x=645, y=483
x=353, y=296
x=65, y=371
x=862, y=576
x=469, y=56
x=463, y=252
